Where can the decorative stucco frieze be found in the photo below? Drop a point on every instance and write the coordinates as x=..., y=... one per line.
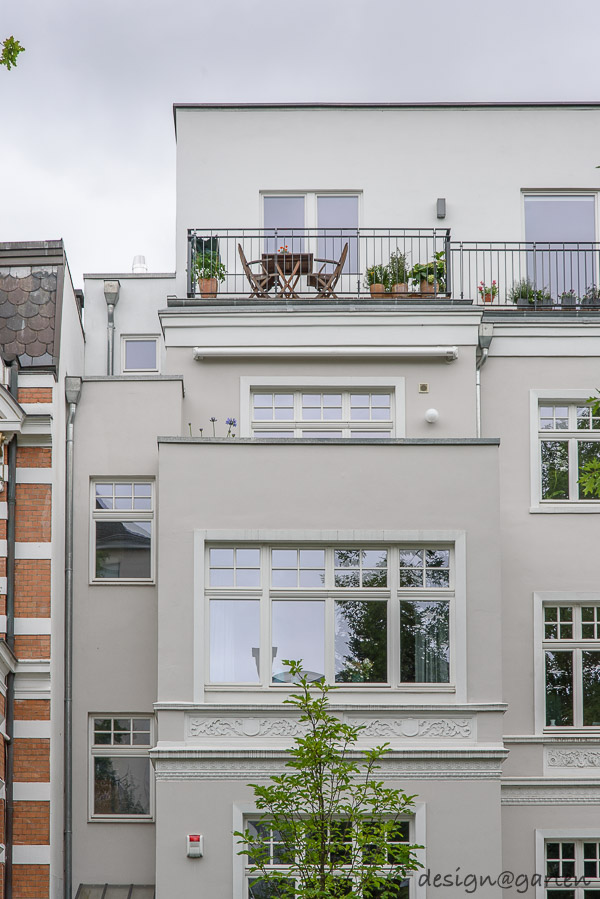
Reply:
x=550, y=794
x=411, y=728
x=572, y=758
x=244, y=727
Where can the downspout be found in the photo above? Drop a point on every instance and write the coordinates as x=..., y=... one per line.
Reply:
x=72, y=394
x=10, y=640
x=111, y=295
x=486, y=332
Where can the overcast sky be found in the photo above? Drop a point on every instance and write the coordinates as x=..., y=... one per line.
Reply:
x=87, y=144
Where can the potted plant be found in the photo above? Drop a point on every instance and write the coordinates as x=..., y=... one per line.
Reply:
x=487, y=292
x=398, y=274
x=429, y=277
x=209, y=271
x=591, y=297
x=525, y=293
x=568, y=299
x=377, y=279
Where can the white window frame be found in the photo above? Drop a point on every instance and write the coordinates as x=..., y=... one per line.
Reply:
x=310, y=203
x=396, y=386
x=122, y=515
x=244, y=811
x=540, y=600
x=120, y=751
x=559, y=835
x=125, y=338
x=452, y=692
x=538, y=398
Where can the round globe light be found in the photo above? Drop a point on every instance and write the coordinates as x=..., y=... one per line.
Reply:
x=432, y=415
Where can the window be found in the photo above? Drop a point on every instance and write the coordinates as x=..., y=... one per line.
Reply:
x=571, y=644
x=568, y=437
x=320, y=223
x=320, y=413
x=122, y=513
x=278, y=856
x=567, y=861
x=120, y=767
x=371, y=614
x=140, y=354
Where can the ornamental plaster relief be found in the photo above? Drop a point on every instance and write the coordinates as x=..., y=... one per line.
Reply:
x=572, y=760
x=198, y=727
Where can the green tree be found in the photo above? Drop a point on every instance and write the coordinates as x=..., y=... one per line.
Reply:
x=337, y=829
x=10, y=51
x=589, y=477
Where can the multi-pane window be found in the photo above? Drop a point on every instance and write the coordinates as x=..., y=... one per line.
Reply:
x=572, y=868
x=354, y=615
x=322, y=413
x=572, y=664
x=122, y=513
x=120, y=767
x=569, y=436
x=278, y=853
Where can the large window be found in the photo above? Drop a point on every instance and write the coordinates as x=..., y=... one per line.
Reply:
x=120, y=770
x=572, y=868
x=278, y=857
x=122, y=520
x=571, y=647
x=370, y=614
x=322, y=413
x=568, y=437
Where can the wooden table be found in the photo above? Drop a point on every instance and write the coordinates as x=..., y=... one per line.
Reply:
x=289, y=267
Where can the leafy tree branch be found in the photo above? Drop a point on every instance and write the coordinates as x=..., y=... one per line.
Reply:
x=10, y=51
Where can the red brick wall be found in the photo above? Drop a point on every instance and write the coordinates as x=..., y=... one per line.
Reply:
x=32, y=647
x=32, y=760
x=31, y=881
x=31, y=823
x=32, y=709
x=33, y=513
x=34, y=457
x=34, y=395
x=32, y=588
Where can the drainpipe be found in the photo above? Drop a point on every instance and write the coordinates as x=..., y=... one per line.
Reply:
x=72, y=394
x=486, y=332
x=111, y=295
x=11, y=498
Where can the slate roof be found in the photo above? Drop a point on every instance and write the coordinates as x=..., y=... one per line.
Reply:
x=30, y=292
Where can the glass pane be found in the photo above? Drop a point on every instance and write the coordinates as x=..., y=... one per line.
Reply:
x=286, y=214
x=298, y=633
x=261, y=889
x=424, y=642
x=140, y=355
x=221, y=558
x=234, y=640
x=337, y=219
x=587, y=451
x=361, y=642
x=555, y=469
x=247, y=558
x=221, y=577
x=321, y=434
x=121, y=786
x=590, y=664
x=123, y=549
x=559, y=689
x=551, y=221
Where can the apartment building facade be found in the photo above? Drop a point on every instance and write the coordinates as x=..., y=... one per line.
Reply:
x=394, y=504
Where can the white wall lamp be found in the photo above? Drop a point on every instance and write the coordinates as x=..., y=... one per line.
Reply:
x=432, y=416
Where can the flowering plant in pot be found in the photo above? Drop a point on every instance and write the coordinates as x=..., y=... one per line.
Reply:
x=525, y=293
x=209, y=271
x=429, y=276
x=377, y=279
x=398, y=273
x=487, y=292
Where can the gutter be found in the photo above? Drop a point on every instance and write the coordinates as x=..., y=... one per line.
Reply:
x=72, y=395
x=111, y=295
x=486, y=332
x=10, y=641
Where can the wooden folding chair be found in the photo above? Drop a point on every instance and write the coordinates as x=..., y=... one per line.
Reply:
x=324, y=282
x=261, y=282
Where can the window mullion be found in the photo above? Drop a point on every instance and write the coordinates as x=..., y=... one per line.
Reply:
x=265, y=619
x=573, y=474
x=577, y=688
x=394, y=616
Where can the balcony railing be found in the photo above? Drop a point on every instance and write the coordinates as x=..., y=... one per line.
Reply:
x=407, y=265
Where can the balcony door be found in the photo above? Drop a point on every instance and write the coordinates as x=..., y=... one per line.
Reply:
x=320, y=223
x=563, y=229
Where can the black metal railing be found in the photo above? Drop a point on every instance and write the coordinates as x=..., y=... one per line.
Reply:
x=408, y=263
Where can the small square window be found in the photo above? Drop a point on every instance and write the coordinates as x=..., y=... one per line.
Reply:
x=140, y=354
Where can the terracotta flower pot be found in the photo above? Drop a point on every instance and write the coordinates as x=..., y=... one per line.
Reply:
x=488, y=297
x=208, y=287
x=400, y=288
x=377, y=289
x=426, y=287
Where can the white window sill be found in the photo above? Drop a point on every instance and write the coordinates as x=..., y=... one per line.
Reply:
x=581, y=508
x=121, y=819
x=122, y=582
